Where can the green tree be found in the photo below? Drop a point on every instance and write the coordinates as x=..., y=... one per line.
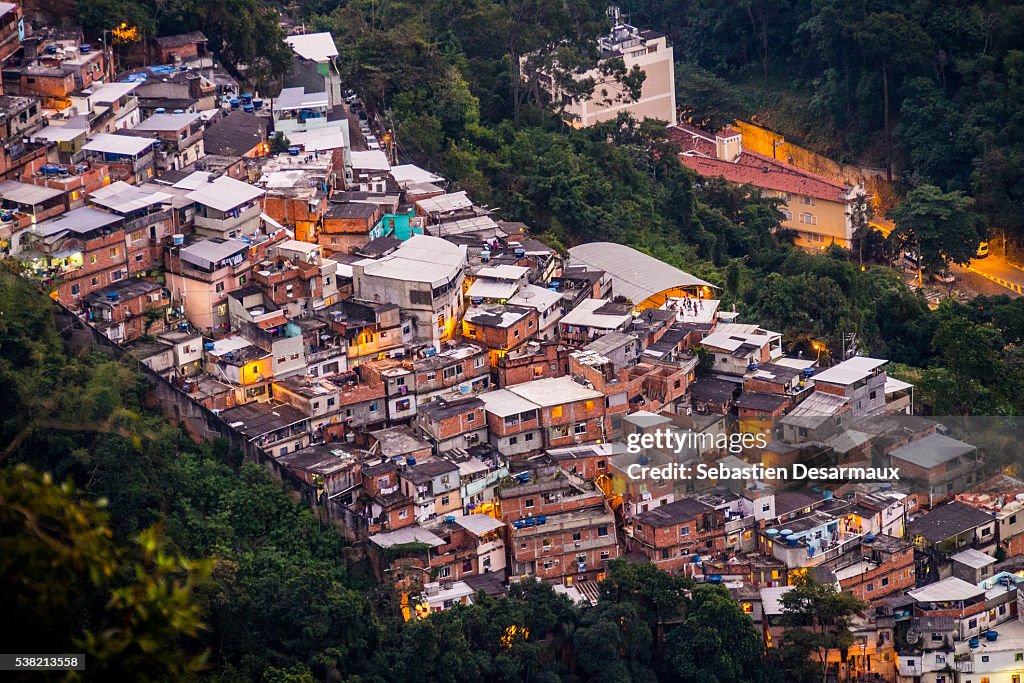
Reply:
x=817, y=619
x=892, y=41
x=717, y=643
x=68, y=586
x=941, y=227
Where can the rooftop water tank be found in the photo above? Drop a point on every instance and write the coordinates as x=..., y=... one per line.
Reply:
x=410, y=461
x=159, y=110
x=991, y=636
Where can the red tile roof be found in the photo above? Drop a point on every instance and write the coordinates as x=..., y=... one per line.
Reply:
x=699, y=154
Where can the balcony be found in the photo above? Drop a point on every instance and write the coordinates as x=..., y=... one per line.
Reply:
x=145, y=221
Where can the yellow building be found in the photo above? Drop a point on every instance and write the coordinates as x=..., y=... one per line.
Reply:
x=815, y=208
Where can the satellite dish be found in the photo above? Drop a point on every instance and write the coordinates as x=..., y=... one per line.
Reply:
x=912, y=637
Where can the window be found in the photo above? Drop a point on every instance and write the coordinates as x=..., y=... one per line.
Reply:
x=1018, y=657
x=528, y=436
x=589, y=405
x=602, y=531
x=870, y=587
x=973, y=623
x=330, y=401
x=556, y=412
x=513, y=440
x=984, y=658
x=766, y=507
x=885, y=580
x=546, y=543
x=445, y=500
x=577, y=536
x=479, y=362
x=373, y=407
x=116, y=275
x=684, y=531
x=114, y=252
x=579, y=428
x=529, y=503
x=664, y=554
x=940, y=659
x=219, y=288
x=606, y=554
x=444, y=572
x=787, y=214
x=548, y=564
x=402, y=514
x=807, y=200
x=75, y=290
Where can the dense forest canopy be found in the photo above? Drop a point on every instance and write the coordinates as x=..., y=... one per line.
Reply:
x=933, y=87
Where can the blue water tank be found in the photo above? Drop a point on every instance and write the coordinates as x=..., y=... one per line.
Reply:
x=410, y=461
x=449, y=519
x=235, y=103
x=808, y=372
x=974, y=643
x=991, y=636
x=293, y=150
x=208, y=346
x=248, y=108
x=541, y=519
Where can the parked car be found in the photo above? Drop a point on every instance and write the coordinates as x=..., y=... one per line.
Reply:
x=982, y=250
x=942, y=277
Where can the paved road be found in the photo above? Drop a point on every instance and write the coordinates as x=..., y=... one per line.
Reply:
x=996, y=269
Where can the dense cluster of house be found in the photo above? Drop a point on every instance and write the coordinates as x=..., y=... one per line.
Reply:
x=456, y=394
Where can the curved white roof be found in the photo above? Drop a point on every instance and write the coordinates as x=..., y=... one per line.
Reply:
x=635, y=275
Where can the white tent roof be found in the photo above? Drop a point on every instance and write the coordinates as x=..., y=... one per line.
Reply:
x=635, y=275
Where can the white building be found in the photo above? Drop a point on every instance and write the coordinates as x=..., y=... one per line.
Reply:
x=647, y=50
x=424, y=277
